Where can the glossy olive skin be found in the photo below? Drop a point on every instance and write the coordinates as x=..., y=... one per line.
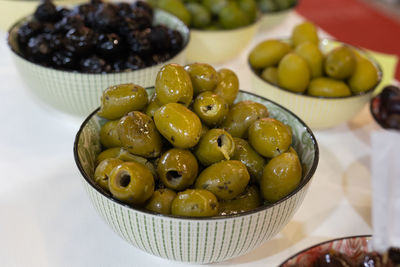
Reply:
x=270, y=74
x=109, y=134
x=211, y=108
x=304, y=32
x=248, y=200
x=268, y=53
x=177, y=168
x=103, y=171
x=124, y=155
x=313, y=56
x=179, y=125
x=161, y=201
x=203, y=76
x=365, y=76
x=293, y=73
x=249, y=157
x=340, y=62
x=153, y=105
x=270, y=137
x=173, y=85
x=131, y=182
x=175, y=7
x=214, y=146
x=242, y=115
x=195, y=203
x=328, y=87
x=281, y=176
x=118, y=100
x=225, y=179
x=139, y=135
x=228, y=85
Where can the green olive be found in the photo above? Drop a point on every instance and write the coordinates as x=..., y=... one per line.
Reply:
x=225, y=179
x=270, y=74
x=195, y=203
x=203, y=76
x=211, y=108
x=248, y=200
x=304, y=32
x=103, y=171
x=242, y=115
x=228, y=85
x=131, y=182
x=177, y=8
x=139, y=135
x=365, y=76
x=250, y=8
x=178, y=124
x=214, y=146
x=328, y=87
x=249, y=157
x=293, y=73
x=153, y=105
x=124, y=155
x=177, y=169
x=267, y=6
x=118, y=100
x=268, y=53
x=200, y=16
x=109, y=134
x=340, y=62
x=215, y=6
x=313, y=56
x=204, y=130
x=270, y=137
x=161, y=201
x=173, y=85
x=281, y=176
x=232, y=17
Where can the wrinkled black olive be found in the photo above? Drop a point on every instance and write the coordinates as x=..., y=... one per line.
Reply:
x=94, y=64
x=176, y=40
x=139, y=42
x=38, y=47
x=134, y=62
x=79, y=40
x=109, y=44
x=27, y=30
x=63, y=59
x=160, y=39
x=46, y=12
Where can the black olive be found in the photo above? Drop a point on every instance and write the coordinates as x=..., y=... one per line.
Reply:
x=27, y=30
x=46, y=12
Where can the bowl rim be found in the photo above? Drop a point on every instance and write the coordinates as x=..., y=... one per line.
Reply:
x=329, y=40
x=368, y=236
x=26, y=18
x=305, y=180
x=276, y=12
x=256, y=22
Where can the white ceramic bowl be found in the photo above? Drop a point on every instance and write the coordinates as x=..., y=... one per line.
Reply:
x=219, y=46
x=197, y=240
x=79, y=93
x=317, y=112
x=273, y=19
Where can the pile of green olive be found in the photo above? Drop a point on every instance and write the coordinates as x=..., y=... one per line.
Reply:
x=275, y=5
x=189, y=149
x=211, y=14
x=300, y=66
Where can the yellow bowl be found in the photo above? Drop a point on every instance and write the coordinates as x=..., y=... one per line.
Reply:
x=218, y=46
x=317, y=112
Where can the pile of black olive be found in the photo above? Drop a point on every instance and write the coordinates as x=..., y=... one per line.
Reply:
x=385, y=107
x=97, y=37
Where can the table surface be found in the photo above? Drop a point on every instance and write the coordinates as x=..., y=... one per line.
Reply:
x=47, y=219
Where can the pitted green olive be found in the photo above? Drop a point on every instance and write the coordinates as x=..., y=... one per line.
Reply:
x=109, y=134
x=195, y=203
x=211, y=108
x=161, y=201
x=103, y=171
x=203, y=76
x=228, y=85
x=248, y=200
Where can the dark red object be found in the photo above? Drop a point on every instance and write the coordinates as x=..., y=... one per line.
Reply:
x=356, y=23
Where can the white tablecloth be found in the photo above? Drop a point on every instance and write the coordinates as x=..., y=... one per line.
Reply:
x=47, y=219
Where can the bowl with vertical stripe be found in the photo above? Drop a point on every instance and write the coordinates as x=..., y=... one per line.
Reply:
x=197, y=240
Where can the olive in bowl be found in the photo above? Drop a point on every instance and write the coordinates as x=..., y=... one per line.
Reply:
x=67, y=60
x=325, y=82
x=213, y=25
x=186, y=238
x=274, y=12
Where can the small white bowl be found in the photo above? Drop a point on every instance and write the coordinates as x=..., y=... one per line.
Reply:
x=79, y=93
x=197, y=240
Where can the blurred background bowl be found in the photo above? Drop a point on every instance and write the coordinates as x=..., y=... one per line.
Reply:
x=197, y=240
x=271, y=19
x=318, y=112
x=353, y=247
x=219, y=46
x=79, y=93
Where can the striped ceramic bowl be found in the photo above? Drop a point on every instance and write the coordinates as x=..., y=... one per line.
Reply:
x=317, y=112
x=79, y=93
x=197, y=240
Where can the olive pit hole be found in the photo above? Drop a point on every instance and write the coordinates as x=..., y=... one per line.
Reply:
x=220, y=140
x=207, y=108
x=124, y=180
x=173, y=175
